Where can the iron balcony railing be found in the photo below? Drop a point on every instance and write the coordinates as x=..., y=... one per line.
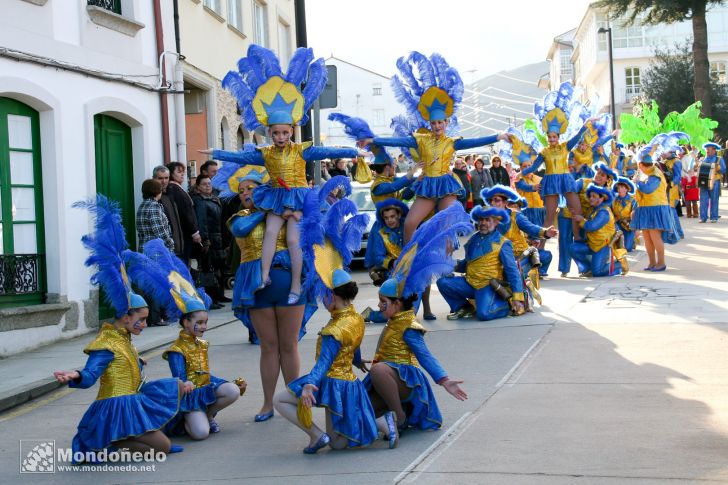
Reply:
x=110, y=5
x=21, y=274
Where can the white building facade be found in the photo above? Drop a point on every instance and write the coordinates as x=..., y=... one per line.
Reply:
x=633, y=48
x=362, y=93
x=79, y=115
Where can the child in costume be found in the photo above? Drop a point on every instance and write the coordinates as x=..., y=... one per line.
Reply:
x=491, y=275
x=431, y=97
x=692, y=194
x=653, y=214
x=596, y=256
x=528, y=187
x=268, y=98
x=328, y=243
x=555, y=114
x=401, y=349
x=623, y=207
x=127, y=413
x=386, y=245
x=188, y=355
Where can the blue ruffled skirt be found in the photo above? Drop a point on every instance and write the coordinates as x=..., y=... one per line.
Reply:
x=352, y=414
x=248, y=279
x=557, y=183
x=422, y=411
x=278, y=200
x=656, y=217
x=535, y=214
x=117, y=418
x=197, y=400
x=438, y=187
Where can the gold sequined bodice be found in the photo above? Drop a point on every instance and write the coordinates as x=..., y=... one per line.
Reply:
x=516, y=236
x=286, y=164
x=381, y=179
x=251, y=246
x=556, y=159
x=481, y=270
x=596, y=240
x=435, y=152
x=194, y=350
x=123, y=376
x=347, y=327
x=391, y=346
x=533, y=198
x=658, y=196
x=622, y=209
x=582, y=158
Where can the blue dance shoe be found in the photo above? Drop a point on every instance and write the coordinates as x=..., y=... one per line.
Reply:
x=391, y=420
x=322, y=441
x=259, y=418
x=176, y=449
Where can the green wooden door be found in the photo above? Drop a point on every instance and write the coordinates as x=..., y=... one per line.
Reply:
x=22, y=237
x=114, y=176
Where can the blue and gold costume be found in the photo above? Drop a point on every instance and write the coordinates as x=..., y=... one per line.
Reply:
x=125, y=406
x=581, y=161
x=187, y=357
x=431, y=96
x=653, y=210
x=327, y=242
x=595, y=254
x=673, y=177
x=623, y=208
x=535, y=212
x=402, y=347
x=267, y=97
x=710, y=196
x=401, y=344
x=487, y=257
x=339, y=390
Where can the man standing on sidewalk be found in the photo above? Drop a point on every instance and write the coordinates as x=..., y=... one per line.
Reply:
x=185, y=209
x=161, y=175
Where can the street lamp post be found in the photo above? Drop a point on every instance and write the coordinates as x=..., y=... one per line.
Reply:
x=608, y=31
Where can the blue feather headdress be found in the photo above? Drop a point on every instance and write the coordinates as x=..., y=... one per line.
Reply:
x=109, y=253
x=266, y=96
x=182, y=296
x=328, y=242
x=427, y=255
x=558, y=108
x=521, y=147
x=428, y=88
x=227, y=179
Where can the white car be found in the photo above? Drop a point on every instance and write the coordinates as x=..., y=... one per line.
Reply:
x=362, y=197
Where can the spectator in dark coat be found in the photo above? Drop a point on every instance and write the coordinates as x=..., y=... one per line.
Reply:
x=212, y=255
x=340, y=167
x=498, y=172
x=161, y=175
x=479, y=179
x=185, y=209
x=460, y=169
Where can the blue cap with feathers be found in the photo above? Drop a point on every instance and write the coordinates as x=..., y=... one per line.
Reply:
x=508, y=193
x=109, y=255
x=426, y=255
x=328, y=242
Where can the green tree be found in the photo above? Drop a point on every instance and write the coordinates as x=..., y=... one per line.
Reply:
x=670, y=11
x=669, y=79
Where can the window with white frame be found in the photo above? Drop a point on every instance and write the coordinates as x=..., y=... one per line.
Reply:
x=260, y=21
x=632, y=82
x=284, y=42
x=717, y=71
x=567, y=69
x=627, y=36
x=213, y=5
x=235, y=14
x=377, y=89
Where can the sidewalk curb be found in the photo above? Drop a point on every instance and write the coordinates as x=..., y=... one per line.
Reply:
x=27, y=392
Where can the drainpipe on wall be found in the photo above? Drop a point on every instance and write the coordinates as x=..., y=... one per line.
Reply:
x=179, y=108
x=163, y=105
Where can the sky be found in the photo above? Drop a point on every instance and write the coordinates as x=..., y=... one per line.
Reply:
x=478, y=37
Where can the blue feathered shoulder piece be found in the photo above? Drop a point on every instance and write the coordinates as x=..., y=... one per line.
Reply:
x=428, y=254
x=108, y=248
x=355, y=128
x=329, y=240
x=669, y=142
x=263, y=92
x=182, y=297
x=426, y=85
